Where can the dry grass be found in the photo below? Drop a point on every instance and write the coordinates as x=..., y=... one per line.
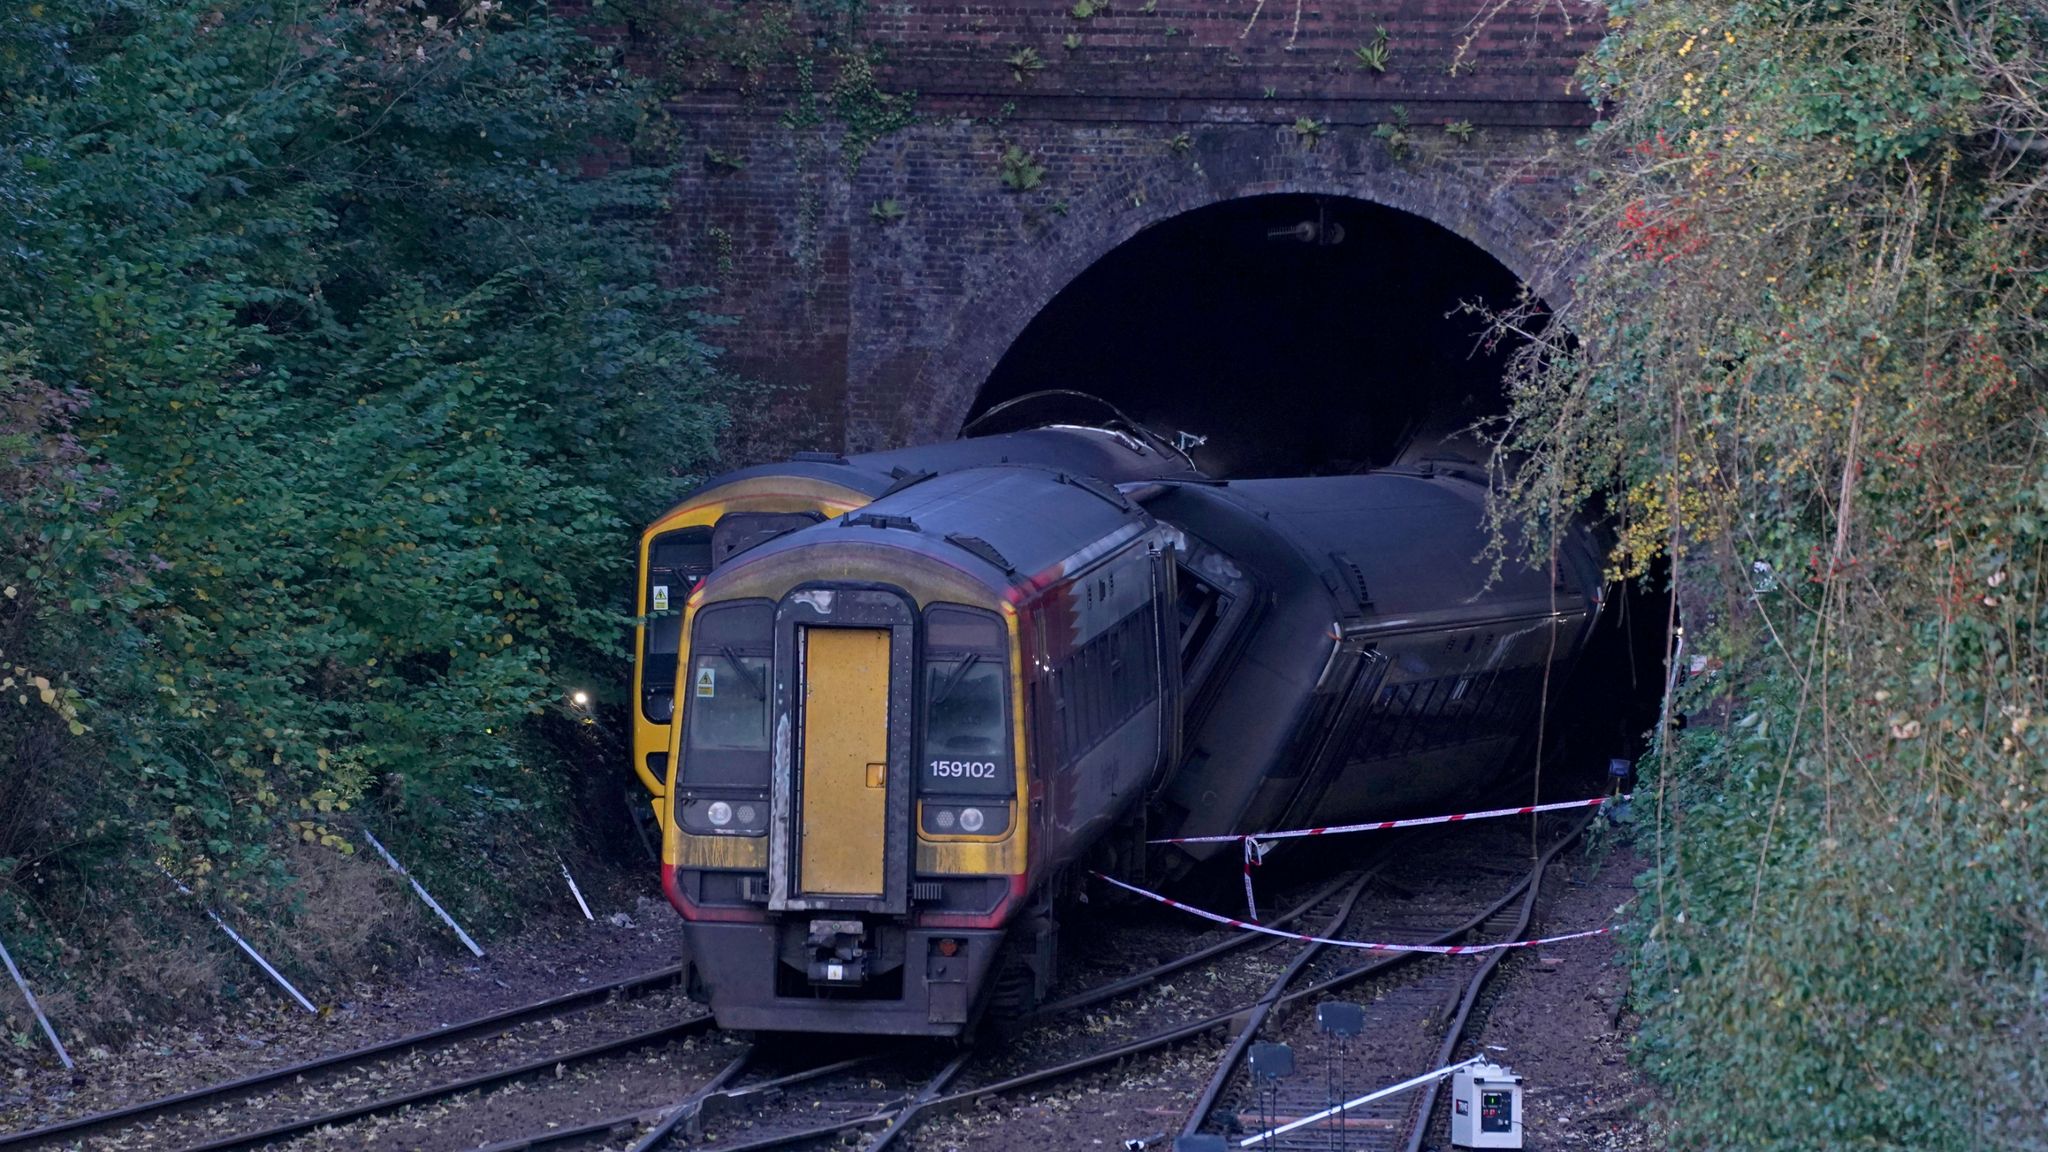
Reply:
x=122, y=969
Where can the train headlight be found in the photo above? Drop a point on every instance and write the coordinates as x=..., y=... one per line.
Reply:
x=732, y=816
x=981, y=819
x=661, y=707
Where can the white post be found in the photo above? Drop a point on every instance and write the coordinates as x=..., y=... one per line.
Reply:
x=37, y=1009
x=431, y=902
x=573, y=889
x=245, y=946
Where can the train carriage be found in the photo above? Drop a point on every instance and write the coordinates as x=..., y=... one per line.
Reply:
x=1385, y=668
x=895, y=727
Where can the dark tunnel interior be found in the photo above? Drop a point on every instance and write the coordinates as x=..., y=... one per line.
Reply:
x=1299, y=334
x=1315, y=335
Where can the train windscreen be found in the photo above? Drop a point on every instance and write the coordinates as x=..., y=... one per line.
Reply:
x=675, y=562
x=726, y=718
x=966, y=741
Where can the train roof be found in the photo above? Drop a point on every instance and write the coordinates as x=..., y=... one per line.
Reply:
x=1078, y=449
x=1082, y=450
x=1007, y=524
x=1418, y=542
x=1390, y=544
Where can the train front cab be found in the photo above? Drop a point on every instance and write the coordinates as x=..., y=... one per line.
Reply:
x=831, y=882
x=718, y=521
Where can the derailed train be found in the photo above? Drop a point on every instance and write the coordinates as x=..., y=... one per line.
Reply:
x=906, y=727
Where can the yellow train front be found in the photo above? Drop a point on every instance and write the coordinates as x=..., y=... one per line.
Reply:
x=897, y=731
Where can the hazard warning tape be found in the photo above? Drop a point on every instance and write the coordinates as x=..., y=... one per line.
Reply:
x=1380, y=826
x=1256, y=846
x=1365, y=945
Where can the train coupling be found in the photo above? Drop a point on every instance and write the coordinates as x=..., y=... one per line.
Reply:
x=838, y=952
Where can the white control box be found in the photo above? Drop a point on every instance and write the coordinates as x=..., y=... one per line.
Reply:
x=1486, y=1107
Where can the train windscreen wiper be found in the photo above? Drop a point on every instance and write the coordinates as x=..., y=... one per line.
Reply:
x=746, y=673
x=946, y=690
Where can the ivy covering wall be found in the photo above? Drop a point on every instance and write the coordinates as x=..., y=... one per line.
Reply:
x=1803, y=363
x=335, y=377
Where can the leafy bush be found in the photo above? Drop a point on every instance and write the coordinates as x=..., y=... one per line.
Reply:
x=1802, y=359
x=340, y=364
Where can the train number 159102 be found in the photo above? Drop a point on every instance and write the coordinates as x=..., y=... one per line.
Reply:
x=963, y=769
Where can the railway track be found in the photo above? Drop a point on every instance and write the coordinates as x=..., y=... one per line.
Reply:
x=1244, y=986
x=274, y=1106
x=881, y=1098
x=785, y=1103
x=1416, y=1007
x=1052, y=1046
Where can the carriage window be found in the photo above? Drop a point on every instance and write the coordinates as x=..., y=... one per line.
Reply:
x=726, y=695
x=966, y=732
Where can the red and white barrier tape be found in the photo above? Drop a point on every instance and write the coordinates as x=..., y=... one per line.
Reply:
x=1254, y=855
x=1366, y=945
x=1380, y=826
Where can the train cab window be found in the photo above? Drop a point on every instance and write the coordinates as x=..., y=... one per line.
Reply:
x=726, y=715
x=966, y=731
x=675, y=562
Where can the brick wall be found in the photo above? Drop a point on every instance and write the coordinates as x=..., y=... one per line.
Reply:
x=888, y=327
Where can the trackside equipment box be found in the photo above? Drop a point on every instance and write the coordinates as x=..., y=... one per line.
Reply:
x=1486, y=1107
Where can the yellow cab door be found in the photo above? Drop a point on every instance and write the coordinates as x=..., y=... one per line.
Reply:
x=843, y=781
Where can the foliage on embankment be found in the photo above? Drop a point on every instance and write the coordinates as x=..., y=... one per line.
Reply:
x=1806, y=364
x=335, y=381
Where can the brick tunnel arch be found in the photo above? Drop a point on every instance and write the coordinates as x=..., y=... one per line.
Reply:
x=1477, y=206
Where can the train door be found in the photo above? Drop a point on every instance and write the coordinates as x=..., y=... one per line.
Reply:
x=839, y=834
x=844, y=780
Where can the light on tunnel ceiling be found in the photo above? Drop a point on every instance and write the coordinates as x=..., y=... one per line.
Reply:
x=1321, y=231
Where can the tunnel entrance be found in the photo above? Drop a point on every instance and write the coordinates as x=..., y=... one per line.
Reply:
x=1300, y=334
x=1306, y=335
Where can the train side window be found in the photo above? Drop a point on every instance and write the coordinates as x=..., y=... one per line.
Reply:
x=726, y=715
x=1104, y=683
x=966, y=702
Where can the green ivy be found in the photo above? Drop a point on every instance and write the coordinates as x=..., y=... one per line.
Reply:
x=1801, y=367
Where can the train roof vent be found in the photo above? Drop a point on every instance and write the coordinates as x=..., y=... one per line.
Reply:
x=976, y=546
x=1096, y=487
x=880, y=520
x=818, y=458
x=904, y=478
x=1351, y=572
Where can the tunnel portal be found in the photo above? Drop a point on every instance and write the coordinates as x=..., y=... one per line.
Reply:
x=1298, y=334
